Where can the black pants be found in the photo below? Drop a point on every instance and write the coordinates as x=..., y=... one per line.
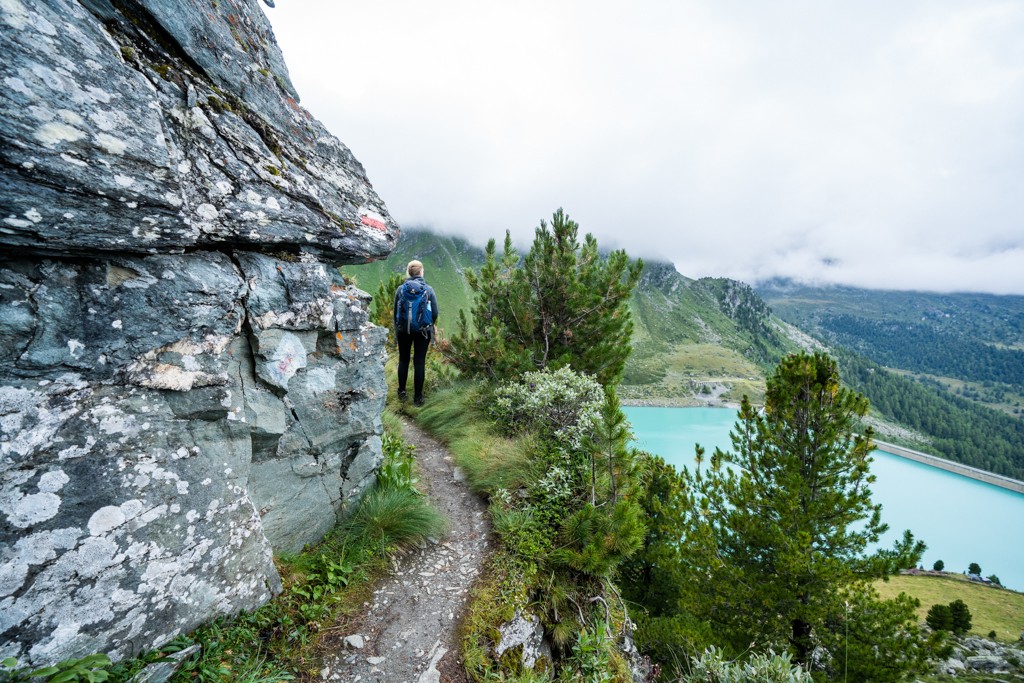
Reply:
x=406, y=343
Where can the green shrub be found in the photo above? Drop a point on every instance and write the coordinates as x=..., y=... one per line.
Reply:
x=89, y=669
x=594, y=541
x=960, y=616
x=712, y=667
x=398, y=471
x=521, y=532
x=939, y=618
x=562, y=404
x=590, y=655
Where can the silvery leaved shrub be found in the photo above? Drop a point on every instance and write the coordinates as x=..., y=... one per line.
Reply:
x=713, y=667
x=556, y=484
x=561, y=404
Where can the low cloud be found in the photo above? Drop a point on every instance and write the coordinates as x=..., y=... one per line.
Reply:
x=873, y=144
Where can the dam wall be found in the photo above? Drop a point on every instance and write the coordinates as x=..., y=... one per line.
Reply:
x=954, y=467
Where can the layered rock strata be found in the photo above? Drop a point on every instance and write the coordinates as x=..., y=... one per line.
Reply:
x=186, y=383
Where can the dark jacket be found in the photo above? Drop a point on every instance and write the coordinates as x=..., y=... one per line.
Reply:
x=430, y=294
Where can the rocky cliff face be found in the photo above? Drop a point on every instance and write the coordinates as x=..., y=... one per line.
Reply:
x=186, y=385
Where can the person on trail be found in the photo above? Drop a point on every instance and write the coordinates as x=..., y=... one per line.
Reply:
x=416, y=312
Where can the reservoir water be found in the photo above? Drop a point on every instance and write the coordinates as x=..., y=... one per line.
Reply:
x=961, y=520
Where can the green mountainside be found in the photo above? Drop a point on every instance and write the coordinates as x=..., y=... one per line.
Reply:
x=695, y=341
x=950, y=367
x=700, y=340
x=444, y=260
x=986, y=318
x=970, y=345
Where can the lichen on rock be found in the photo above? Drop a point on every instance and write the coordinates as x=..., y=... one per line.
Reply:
x=111, y=144
x=186, y=384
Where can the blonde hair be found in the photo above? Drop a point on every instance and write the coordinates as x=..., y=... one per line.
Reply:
x=415, y=269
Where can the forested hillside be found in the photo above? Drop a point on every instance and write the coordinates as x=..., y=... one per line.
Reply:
x=949, y=366
x=958, y=429
x=921, y=348
x=970, y=345
x=987, y=318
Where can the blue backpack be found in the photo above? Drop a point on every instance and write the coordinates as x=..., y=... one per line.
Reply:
x=413, y=313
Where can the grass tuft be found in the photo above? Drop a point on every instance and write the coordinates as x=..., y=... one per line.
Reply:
x=395, y=518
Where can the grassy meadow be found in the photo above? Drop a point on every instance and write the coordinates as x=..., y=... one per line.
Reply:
x=685, y=368
x=992, y=608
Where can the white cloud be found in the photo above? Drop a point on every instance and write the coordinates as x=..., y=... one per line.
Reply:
x=871, y=143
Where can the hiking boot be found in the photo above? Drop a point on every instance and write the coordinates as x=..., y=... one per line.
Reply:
x=418, y=401
x=402, y=396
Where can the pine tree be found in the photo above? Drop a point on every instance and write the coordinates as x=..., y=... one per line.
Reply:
x=564, y=304
x=652, y=577
x=608, y=526
x=960, y=616
x=775, y=542
x=613, y=464
x=939, y=618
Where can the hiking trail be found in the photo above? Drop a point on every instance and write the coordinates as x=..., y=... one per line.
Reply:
x=408, y=632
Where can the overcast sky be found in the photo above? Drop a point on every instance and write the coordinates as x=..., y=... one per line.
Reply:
x=878, y=144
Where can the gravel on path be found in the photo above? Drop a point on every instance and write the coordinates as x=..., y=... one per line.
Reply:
x=408, y=634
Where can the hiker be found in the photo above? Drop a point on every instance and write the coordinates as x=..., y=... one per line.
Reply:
x=415, y=314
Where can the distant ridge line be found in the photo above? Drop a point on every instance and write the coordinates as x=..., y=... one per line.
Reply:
x=954, y=467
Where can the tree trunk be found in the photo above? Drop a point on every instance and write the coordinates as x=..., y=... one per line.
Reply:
x=801, y=642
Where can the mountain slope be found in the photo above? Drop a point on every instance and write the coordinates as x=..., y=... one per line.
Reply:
x=699, y=340
x=695, y=341
x=988, y=318
x=971, y=345
x=948, y=366
x=445, y=259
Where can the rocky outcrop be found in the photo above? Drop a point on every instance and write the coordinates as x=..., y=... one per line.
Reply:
x=156, y=126
x=526, y=632
x=186, y=383
x=972, y=654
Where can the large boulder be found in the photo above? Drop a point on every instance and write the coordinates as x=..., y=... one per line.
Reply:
x=186, y=383
x=161, y=126
x=161, y=436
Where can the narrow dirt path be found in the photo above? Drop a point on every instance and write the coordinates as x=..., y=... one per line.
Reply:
x=408, y=634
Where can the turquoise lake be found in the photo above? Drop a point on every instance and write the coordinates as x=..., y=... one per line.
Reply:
x=961, y=520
